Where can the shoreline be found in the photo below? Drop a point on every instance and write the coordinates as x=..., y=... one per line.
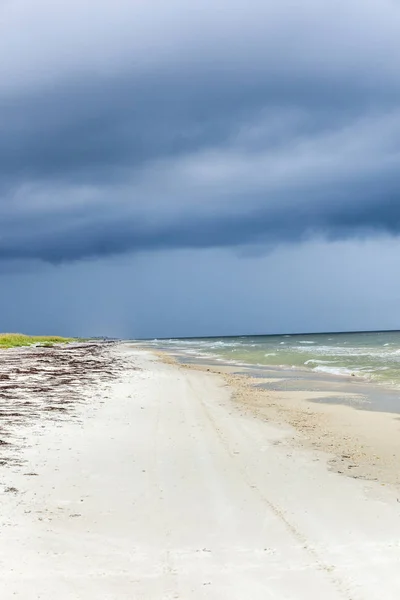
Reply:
x=382, y=396
x=360, y=444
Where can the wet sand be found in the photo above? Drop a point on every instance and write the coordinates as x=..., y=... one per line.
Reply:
x=357, y=424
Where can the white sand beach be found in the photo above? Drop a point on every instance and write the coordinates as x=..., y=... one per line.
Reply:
x=158, y=485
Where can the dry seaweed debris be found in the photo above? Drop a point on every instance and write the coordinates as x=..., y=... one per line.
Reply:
x=48, y=383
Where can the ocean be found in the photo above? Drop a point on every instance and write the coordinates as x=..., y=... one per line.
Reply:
x=372, y=356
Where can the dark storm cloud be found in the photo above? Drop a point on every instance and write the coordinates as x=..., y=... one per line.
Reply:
x=163, y=127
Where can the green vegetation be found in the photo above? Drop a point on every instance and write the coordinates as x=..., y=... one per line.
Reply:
x=13, y=340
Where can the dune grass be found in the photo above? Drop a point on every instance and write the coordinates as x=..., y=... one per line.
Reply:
x=14, y=340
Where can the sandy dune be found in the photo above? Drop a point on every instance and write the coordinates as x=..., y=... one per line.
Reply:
x=159, y=487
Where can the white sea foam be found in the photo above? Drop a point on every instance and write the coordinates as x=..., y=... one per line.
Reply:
x=337, y=370
x=349, y=351
x=315, y=361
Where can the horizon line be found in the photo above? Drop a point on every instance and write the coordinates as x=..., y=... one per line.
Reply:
x=210, y=337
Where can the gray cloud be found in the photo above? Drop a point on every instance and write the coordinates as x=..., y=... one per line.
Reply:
x=175, y=125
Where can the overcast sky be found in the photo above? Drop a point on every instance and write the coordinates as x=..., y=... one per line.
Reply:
x=199, y=168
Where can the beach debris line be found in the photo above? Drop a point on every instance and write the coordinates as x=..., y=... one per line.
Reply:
x=47, y=383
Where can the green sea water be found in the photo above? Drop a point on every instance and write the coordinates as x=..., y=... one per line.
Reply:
x=371, y=356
